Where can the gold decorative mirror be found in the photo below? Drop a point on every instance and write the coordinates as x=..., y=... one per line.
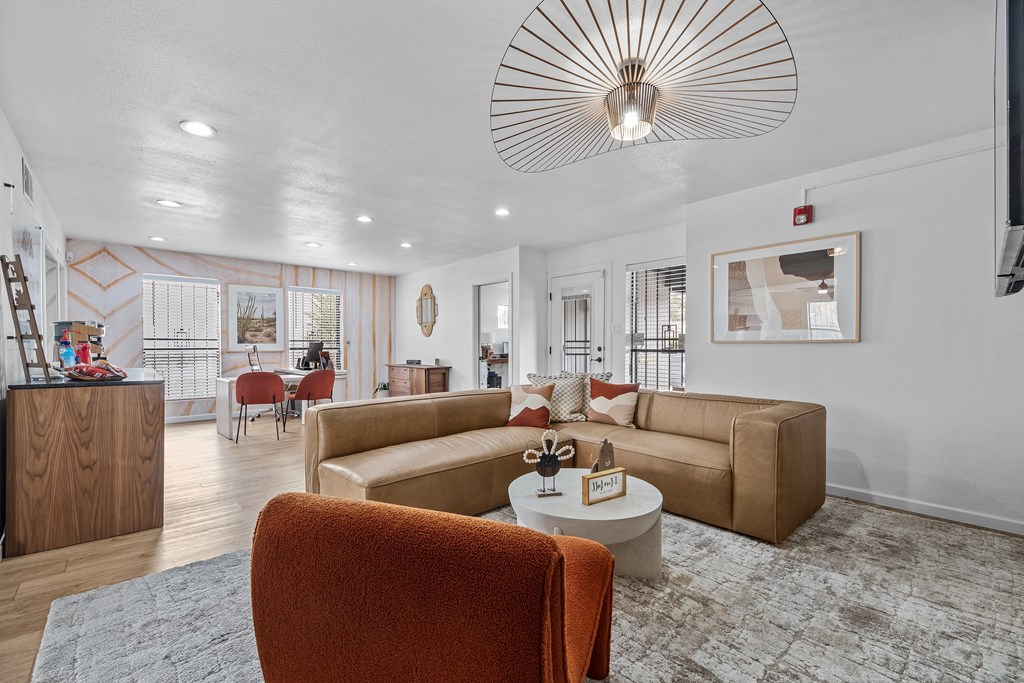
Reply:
x=426, y=310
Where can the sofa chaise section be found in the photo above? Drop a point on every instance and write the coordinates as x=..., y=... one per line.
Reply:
x=451, y=452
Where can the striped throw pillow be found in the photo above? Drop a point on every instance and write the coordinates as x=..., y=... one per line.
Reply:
x=613, y=403
x=531, y=406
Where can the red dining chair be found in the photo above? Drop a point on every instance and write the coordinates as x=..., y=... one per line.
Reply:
x=314, y=386
x=258, y=388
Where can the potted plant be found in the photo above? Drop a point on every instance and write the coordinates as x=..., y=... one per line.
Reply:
x=382, y=390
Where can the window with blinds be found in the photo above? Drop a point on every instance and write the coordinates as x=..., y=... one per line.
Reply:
x=314, y=315
x=656, y=316
x=181, y=334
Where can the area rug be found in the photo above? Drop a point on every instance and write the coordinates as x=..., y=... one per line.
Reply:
x=858, y=593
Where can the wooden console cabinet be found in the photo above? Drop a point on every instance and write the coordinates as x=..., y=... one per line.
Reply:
x=411, y=380
x=84, y=461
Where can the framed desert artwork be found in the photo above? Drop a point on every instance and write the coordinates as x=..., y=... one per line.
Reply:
x=255, y=316
x=802, y=291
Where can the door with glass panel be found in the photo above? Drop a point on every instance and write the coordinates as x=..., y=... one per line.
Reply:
x=577, y=310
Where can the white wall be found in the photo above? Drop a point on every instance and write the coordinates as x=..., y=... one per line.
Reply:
x=454, y=338
x=618, y=252
x=924, y=413
x=530, y=312
x=25, y=215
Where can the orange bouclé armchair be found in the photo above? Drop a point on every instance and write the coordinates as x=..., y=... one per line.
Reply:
x=347, y=590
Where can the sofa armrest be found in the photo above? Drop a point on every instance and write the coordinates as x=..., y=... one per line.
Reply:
x=778, y=469
x=314, y=455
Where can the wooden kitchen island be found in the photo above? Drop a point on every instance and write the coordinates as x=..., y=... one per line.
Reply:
x=85, y=460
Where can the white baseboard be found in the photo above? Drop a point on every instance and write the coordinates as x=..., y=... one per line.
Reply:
x=1012, y=526
x=190, y=418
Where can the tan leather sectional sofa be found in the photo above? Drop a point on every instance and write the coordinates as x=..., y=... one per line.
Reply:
x=751, y=465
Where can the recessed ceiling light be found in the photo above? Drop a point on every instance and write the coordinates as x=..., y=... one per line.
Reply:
x=364, y=219
x=170, y=203
x=352, y=263
x=313, y=244
x=405, y=244
x=198, y=128
x=501, y=212
x=158, y=239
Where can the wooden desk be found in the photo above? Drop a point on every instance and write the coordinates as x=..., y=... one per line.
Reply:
x=411, y=380
x=85, y=460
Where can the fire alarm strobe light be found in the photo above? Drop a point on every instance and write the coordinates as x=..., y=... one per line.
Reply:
x=802, y=215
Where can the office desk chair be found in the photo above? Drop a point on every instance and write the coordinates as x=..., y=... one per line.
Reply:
x=256, y=366
x=257, y=388
x=313, y=387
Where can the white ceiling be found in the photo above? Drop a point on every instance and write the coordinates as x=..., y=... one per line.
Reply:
x=330, y=109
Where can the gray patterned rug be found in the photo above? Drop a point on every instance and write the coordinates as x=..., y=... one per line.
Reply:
x=856, y=594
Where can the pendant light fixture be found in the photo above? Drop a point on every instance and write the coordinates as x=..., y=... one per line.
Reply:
x=631, y=106
x=585, y=77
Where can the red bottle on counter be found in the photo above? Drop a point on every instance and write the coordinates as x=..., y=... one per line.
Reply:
x=83, y=351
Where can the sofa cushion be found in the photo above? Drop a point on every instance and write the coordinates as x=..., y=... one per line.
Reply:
x=566, y=398
x=585, y=377
x=588, y=432
x=701, y=416
x=531, y=406
x=612, y=403
x=418, y=458
x=694, y=476
x=681, y=449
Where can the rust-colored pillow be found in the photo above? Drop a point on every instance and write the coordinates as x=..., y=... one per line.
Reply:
x=612, y=403
x=531, y=406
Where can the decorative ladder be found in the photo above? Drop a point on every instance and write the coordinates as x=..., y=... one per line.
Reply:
x=20, y=300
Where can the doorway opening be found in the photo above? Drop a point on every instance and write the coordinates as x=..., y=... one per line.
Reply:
x=494, y=334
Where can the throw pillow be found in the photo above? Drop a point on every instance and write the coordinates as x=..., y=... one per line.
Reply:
x=565, y=399
x=531, y=406
x=613, y=403
x=580, y=414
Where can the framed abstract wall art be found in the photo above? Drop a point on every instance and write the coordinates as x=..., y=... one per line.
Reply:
x=255, y=316
x=802, y=291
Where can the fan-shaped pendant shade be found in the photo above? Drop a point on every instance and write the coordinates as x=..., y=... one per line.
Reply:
x=584, y=77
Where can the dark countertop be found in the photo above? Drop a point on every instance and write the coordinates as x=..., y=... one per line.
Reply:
x=135, y=376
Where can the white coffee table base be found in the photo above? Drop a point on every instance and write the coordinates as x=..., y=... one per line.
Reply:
x=640, y=557
x=629, y=527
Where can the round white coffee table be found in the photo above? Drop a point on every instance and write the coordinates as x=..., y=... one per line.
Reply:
x=629, y=526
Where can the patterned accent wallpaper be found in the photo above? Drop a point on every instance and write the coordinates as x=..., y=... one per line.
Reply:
x=105, y=284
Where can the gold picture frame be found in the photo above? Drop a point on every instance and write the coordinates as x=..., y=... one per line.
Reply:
x=790, y=292
x=605, y=485
x=426, y=310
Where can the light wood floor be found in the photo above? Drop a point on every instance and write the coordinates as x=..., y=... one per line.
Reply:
x=214, y=490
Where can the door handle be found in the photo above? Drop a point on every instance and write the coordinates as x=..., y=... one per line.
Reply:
x=597, y=360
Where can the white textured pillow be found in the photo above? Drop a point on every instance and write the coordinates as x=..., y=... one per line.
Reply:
x=565, y=399
x=580, y=414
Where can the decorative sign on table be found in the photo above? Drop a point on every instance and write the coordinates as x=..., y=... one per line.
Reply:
x=605, y=460
x=604, y=485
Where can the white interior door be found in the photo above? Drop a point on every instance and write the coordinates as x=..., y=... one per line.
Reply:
x=577, y=315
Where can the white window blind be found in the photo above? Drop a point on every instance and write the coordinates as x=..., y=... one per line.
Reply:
x=181, y=334
x=314, y=315
x=656, y=316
